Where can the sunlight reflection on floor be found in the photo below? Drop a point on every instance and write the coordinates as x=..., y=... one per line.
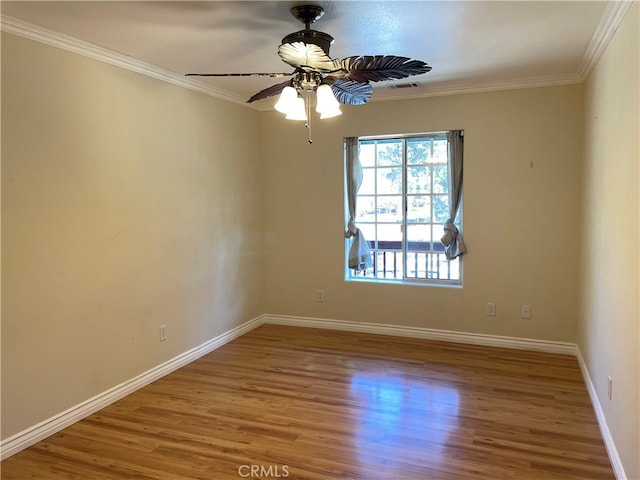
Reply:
x=396, y=412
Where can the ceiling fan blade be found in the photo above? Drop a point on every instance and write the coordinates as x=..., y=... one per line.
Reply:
x=307, y=57
x=269, y=92
x=378, y=68
x=351, y=93
x=272, y=75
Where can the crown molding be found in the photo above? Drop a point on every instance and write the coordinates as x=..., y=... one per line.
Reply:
x=611, y=19
x=40, y=34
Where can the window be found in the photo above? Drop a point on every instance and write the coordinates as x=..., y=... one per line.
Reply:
x=402, y=206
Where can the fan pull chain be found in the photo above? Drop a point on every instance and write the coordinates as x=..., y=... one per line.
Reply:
x=307, y=103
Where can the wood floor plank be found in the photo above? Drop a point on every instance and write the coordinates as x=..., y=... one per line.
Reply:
x=311, y=404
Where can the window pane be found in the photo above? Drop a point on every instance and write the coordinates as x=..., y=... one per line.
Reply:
x=366, y=209
x=388, y=264
x=418, y=151
x=369, y=231
x=444, y=269
x=440, y=208
x=438, y=232
x=389, y=180
x=453, y=268
x=440, y=179
x=419, y=208
x=419, y=179
x=419, y=238
x=418, y=264
x=390, y=209
x=389, y=152
x=440, y=150
x=368, y=186
x=367, y=154
x=390, y=232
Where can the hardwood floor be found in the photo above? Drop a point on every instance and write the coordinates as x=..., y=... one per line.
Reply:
x=307, y=404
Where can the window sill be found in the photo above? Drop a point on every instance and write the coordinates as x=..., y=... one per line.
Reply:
x=413, y=283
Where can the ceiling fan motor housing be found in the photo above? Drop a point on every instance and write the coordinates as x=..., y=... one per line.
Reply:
x=321, y=39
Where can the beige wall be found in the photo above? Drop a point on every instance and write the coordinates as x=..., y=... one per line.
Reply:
x=520, y=222
x=127, y=203
x=609, y=335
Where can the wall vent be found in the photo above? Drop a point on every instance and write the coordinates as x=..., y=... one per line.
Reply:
x=404, y=85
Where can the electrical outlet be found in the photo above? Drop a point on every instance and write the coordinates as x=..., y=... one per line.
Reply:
x=491, y=309
x=163, y=333
x=320, y=296
x=525, y=312
x=609, y=388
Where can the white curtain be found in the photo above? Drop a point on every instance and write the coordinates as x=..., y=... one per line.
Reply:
x=359, y=254
x=452, y=239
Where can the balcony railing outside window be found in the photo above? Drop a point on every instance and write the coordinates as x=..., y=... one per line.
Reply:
x=422, y=263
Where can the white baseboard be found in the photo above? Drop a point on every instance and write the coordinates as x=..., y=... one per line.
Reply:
x=616, y=463
x=425, y=333
x=42, y=430
x=46, y=428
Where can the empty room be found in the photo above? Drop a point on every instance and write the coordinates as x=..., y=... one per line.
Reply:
x=382, y=240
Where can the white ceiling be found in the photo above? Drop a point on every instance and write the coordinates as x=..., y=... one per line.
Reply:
x=471, y=45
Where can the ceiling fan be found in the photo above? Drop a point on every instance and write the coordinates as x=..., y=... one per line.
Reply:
x=308, y=52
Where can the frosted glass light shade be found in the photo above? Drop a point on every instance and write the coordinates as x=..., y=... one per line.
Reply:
x=286, y=100
x=297, y=111
x=326, y=104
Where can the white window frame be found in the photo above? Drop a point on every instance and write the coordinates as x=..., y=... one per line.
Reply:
x=456, y=283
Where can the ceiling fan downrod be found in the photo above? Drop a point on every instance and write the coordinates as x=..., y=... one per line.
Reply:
x=308, y=14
